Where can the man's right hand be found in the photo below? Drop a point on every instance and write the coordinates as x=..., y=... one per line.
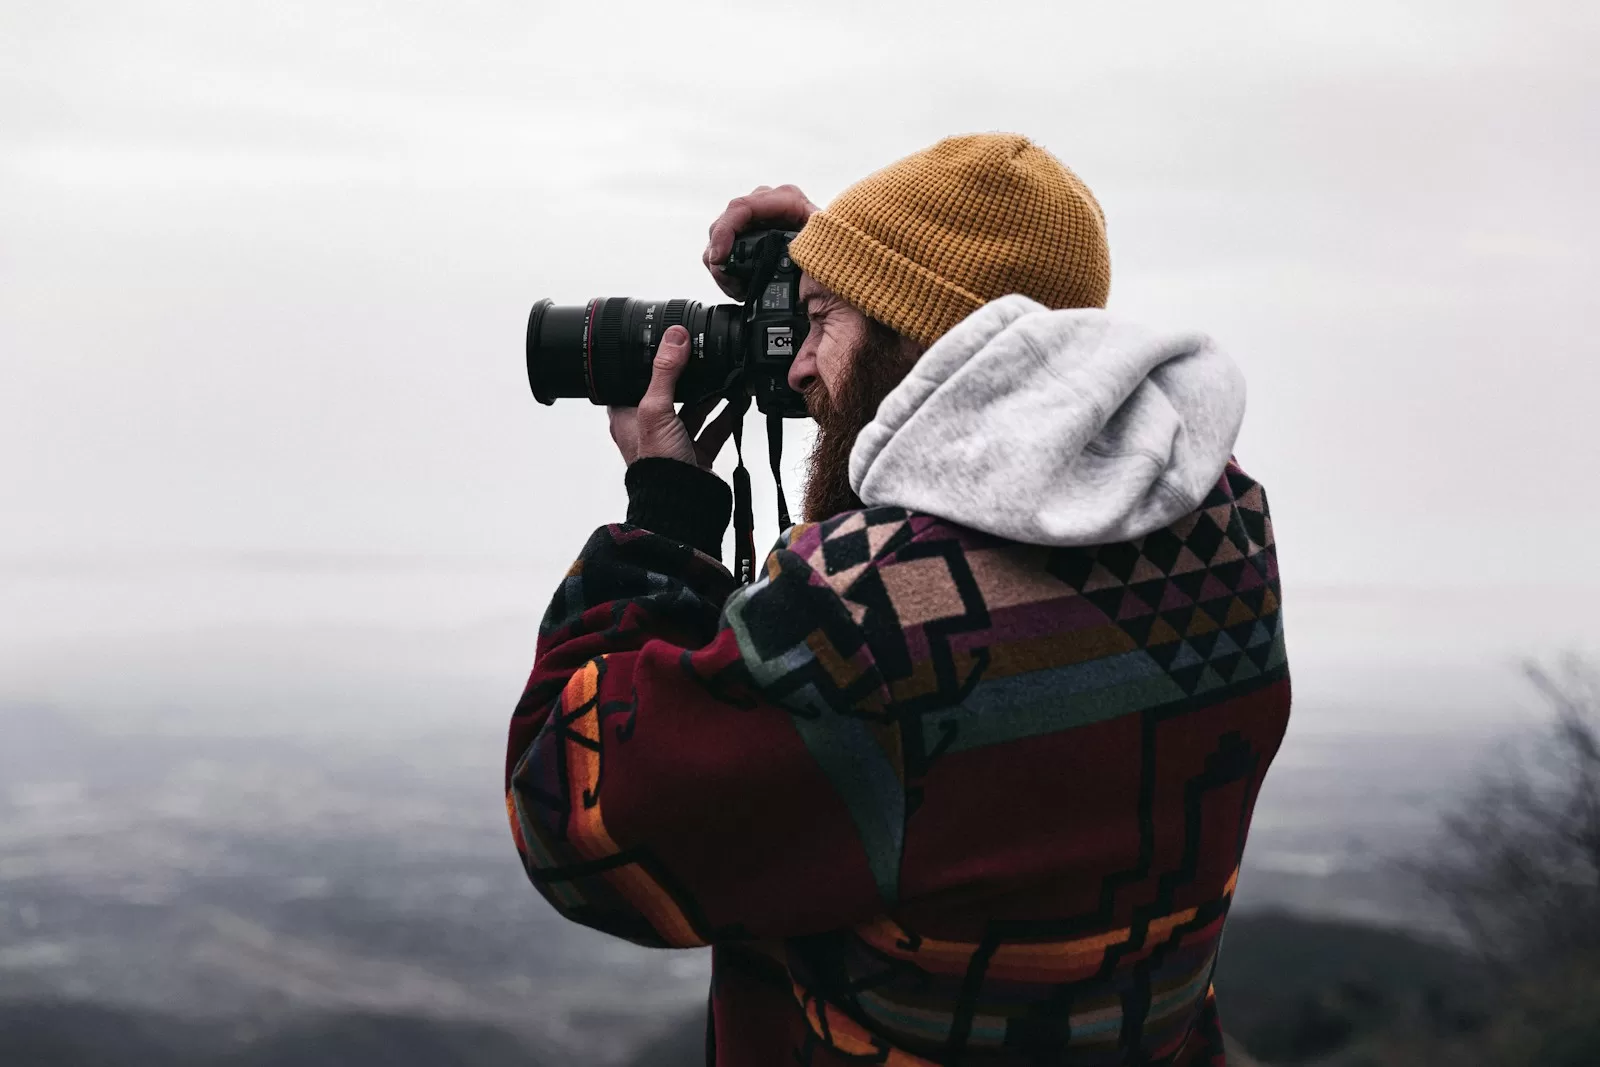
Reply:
x=784, y=206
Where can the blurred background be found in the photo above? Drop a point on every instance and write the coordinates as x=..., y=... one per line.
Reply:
x=280, y=516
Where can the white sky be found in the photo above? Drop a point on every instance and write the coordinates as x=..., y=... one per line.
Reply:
x=264, y=269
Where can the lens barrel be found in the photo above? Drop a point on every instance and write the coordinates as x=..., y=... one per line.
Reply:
x=557, y=366
x=604, y=350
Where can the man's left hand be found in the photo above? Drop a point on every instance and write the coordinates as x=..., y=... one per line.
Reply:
x=657, y=428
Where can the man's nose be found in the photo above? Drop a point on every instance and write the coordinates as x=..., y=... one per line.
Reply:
x=802, y=372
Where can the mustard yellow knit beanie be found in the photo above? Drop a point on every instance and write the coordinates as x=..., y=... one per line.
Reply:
x=926, y=241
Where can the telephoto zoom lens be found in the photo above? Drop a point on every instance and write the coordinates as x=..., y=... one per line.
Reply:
x=604, y=350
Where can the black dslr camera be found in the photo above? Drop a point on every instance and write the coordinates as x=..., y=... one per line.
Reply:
x=604, y=350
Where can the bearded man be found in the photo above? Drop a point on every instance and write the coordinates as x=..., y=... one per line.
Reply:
x=965, y=775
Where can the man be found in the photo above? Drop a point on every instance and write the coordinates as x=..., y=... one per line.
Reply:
x=965, y=776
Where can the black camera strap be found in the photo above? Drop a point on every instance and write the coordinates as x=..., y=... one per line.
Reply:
x=744, y=537
x=774, y=454
x=744, y=522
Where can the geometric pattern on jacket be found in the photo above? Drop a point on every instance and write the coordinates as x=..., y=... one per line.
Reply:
x=935, y=797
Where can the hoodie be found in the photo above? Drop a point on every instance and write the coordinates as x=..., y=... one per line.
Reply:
x=964, y=776
x=1054, y=427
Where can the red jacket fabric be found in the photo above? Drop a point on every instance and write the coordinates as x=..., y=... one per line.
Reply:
x=933, y=797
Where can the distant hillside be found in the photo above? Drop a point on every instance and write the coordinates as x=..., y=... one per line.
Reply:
x=67, y=1034
x=1291, y=990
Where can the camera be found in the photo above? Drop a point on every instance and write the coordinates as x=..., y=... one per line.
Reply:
x=604, y=350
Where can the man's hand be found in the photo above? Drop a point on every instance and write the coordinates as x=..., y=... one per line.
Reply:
x=783, y=206
x=655, y=428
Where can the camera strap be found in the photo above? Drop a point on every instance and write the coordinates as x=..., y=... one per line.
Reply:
x=774, y=454
x=744, y=523
x=744, y=538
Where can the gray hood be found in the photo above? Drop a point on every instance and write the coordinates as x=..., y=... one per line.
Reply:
x=1054, y=427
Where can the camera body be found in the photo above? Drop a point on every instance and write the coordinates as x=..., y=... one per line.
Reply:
x=775, y=322
x=605, y=350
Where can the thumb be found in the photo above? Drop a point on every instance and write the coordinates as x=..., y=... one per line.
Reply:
x=671, y=358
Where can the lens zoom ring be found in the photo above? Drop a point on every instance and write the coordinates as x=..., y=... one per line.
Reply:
x=605, y=352
x=675, y=314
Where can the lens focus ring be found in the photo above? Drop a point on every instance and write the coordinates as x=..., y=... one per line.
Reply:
x=605, y=348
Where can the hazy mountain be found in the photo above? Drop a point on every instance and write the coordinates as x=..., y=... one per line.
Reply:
x=285, y=848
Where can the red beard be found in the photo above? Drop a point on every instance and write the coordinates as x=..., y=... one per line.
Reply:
x=872, y=371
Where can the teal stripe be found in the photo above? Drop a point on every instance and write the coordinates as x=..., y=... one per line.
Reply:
x=986, y=1029
x=1189, y=993
x=1056, y=699
x=543, y=858
x=843, y=746
x=1184, y=996
x=991, y=1029
x=860, y=771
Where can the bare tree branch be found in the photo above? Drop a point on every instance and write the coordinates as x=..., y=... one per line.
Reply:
x=1517, y=864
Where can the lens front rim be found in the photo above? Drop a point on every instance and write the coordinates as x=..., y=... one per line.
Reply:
x=535, y=321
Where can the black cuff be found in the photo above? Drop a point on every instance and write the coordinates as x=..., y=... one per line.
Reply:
x=680, y=501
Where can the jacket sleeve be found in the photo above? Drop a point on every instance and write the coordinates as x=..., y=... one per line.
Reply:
x=676, y=774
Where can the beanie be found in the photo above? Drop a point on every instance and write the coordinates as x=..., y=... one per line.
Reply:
x=926, y=241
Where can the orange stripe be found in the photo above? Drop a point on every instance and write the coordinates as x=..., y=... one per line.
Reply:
x=586, y=827
x=844, y=1034
x=1035, y=961
x=653, y=902
x=516, y=823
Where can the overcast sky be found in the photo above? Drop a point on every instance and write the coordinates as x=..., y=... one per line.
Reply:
x=265, y=269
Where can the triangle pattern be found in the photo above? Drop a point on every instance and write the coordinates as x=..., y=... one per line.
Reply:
x=1139, y=628
x=1187, y=657
x=1108, y=601
x=1165, y=653
x=1200, y=624
x=1100, y=578
x=1152, y=592
x=856, y=520
x=1132, y=606
x=1227, y=665
x=1162, y=632
x=1238, y=613
x=1230, y=573
x=1186, y=677
x=1213, y=589
x=880, y=535
x=1144, y=571
x=1173, y=598
x=1226, y=551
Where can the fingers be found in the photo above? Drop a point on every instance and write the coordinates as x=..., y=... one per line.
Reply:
x=671, y=358
x=660, y=431
x=786, y=206
x=714, y=436
x=625, y=432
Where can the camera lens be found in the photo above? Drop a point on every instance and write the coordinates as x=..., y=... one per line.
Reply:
x=604, y=350
x=557, y=363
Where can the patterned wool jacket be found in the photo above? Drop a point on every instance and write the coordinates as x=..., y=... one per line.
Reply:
x=933, y=796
